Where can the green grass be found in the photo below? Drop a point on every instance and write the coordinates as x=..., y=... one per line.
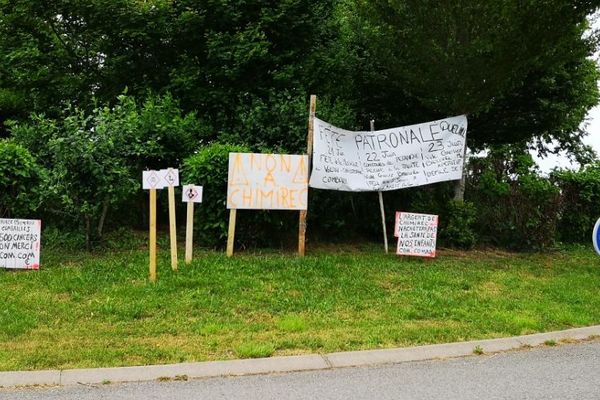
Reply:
x=85, y=310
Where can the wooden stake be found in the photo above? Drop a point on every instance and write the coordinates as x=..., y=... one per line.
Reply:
x=172, y=228
x=152, y=235
x=309, y=145
x=231, y=233
x=381, y=208
x=189, y=233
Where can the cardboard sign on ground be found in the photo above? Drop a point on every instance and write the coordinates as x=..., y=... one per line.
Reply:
x=20, y=242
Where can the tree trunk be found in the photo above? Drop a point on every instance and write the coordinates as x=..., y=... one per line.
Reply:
x=459, y=185
x=459, y=189
x=88, y=242
x=102, y=219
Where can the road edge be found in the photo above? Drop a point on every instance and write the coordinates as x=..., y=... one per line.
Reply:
x=310, y=362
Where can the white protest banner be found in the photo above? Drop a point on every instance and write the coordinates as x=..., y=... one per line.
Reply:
x=20, y=243
x=416, y=233
x=151, y=180
x=388, y=159
x=267, y=181
x=191, y=193
x=170, y=177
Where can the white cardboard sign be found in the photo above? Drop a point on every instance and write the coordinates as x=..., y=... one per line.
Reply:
x=388, y=159
x=416, y=233
x=20, y=242
x=267, y=181
x=152, y=180
x=191, y=194
x=170, y=177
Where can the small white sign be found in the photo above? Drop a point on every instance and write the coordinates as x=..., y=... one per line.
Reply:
x=151, y=180
x=170, y=177
x=20, y=242
x=192, y=194
x=416, y=233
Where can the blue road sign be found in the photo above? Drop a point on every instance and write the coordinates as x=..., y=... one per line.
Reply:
x=596, y=236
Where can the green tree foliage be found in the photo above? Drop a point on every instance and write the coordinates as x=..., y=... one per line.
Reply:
x=518, y=68
x=225, y=60
x=20, y=177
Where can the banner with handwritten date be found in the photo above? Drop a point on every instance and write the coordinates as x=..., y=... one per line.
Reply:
x=388, y=159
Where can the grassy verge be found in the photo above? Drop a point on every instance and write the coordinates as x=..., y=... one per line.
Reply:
x=89, y=311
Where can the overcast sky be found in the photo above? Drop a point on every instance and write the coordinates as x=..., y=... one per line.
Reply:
x=593, y=139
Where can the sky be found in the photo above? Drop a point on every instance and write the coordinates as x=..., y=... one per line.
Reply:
x=593, y=139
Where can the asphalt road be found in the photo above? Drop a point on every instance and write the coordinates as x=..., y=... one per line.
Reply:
x=563, y=372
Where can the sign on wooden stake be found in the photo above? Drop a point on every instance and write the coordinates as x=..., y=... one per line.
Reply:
x=170, y=177
x=151, y=180
x=191, y=194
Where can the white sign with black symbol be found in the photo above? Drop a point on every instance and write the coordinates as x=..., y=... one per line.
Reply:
x=170, y=177
x=152, y=180
x=192, y=194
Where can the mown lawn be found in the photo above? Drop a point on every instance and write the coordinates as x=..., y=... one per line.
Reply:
x=92, y=310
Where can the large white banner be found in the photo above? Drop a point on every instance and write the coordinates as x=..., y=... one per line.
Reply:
x=389, y=159
x=267, y=181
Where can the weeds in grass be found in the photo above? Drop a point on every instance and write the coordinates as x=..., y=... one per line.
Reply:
x=254, y=350
x=291, y=323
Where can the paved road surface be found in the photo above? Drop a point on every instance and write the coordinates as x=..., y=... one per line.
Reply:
x=563, y=372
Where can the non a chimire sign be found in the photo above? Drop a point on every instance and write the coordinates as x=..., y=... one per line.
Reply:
x=267, y=181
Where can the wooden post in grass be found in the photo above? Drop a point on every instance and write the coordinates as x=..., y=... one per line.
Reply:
x=309, y=146
x=152, y=235
x=152, y=181
x=189, y=233
x=190, y=194
x=231, y=232
x=381, y=208
x=172, y=228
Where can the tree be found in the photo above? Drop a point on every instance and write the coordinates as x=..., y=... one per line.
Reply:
x=220, y=59
x=518, y=68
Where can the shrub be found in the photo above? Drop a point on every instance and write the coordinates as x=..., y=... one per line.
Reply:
x=208, y=168
x=20, y=178
x=516, y=208
x=87, y=172
x=457, y=226
x=580, y=206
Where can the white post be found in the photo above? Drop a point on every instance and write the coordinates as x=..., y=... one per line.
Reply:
x=385, y=239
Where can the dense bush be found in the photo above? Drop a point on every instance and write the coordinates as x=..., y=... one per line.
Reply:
x=87, y=173
x=20, y=177
x=94, y=160
x=580, y=206
x=516, y=208
x=457, y=225
x=208, y=168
